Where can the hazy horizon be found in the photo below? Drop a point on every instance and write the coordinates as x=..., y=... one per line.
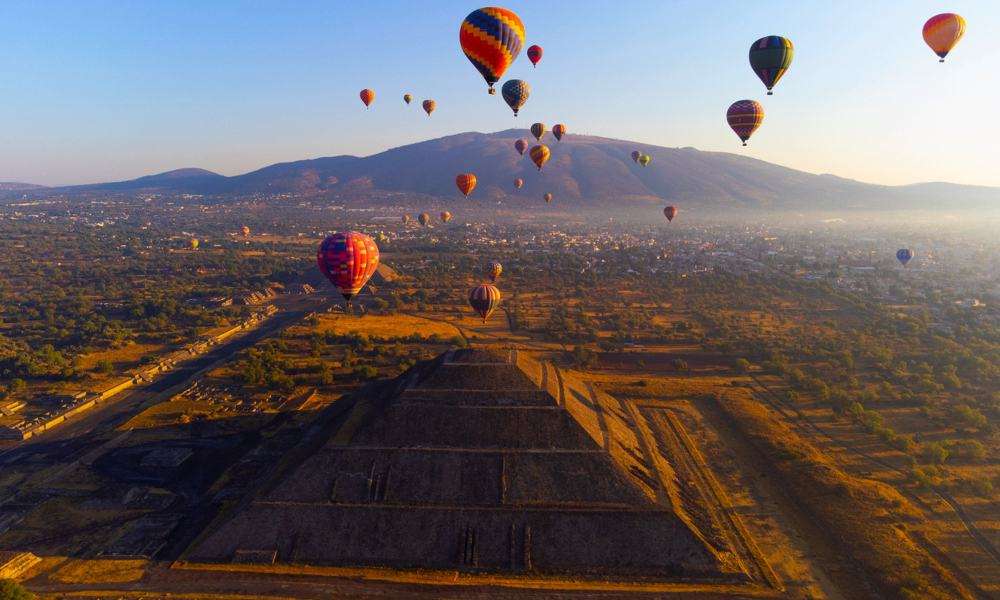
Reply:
x=119, y=92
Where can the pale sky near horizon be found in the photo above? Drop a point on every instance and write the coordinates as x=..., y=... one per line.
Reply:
x=98, y=91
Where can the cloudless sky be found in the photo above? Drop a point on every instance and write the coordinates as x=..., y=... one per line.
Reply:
x=108, y=90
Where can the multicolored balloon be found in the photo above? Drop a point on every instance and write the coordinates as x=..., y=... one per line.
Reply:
x=521, y=146
x=445, y=216
x=348, y=260
x=538, y=130
x=466, y=182
x=745, y=116
x=518, y=183
x=424, y=219
x=493, y=271
x=770, y=57
x=547, y=197
x=367, y=96
x=491, y=39
x=429, y=106
x=636, y=155
x=515, y=93
x=942, y=32
x=645, y=159
x=407, y=98
x=535, y=54
x=559, y=130
x=484, y=299
x=540, y=155
x=670, y=212
x=904, y=255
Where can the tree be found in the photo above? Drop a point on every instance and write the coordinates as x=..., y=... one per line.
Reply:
x=12, y=590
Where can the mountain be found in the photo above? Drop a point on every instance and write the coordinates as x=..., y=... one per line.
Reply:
x=583, y=169
x=17, y=186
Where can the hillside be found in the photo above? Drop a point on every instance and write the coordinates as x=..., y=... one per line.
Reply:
x=583, y=169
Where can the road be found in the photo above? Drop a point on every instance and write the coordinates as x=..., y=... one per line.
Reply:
x=108, y=415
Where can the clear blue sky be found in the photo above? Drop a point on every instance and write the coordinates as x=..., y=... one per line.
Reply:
x=96, y=91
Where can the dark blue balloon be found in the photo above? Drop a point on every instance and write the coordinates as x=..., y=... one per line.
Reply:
x=904, y=255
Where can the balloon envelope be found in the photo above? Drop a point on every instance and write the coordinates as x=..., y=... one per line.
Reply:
x=942, y=32
x=645, y=159
x=559, y=130
x=367, y=96
x=548, y=197
x=636, y=155
x=429, y=106
x=535, y=54
x=521, y=146
x=491, y=39
x=515, y=93
x=445, y=216
x=540, y=155
x=538, y=130
x=466, y=182
x=518, y=183
x=493, y=271
x=904, y=255
x=745, y=116
x=484, y=299
x=424, y=219
x=770, y=58
x=245, y=230
x=348, y=260
x=407, y=98
x=670, y=212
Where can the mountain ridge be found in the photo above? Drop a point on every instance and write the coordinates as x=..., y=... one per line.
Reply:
x=584, y=169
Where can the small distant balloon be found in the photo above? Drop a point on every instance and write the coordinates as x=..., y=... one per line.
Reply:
x=429, y=106
x=538, y=130
x=367, y=96
x=407, y=219
x=245, y=231
x=670, y=212
x=942, y=32
x=193, y=243
x=445, y=216
x=645, y=159
x=515, y=93
x=770, y=58
x=407, y=98
x=559, y=131
x=466, y=182
x=424, y=219
x=493, y=271
x=518, y=183
x=540, y=155
x=484, y=299
x=547, y=197
x=535, y=54
x=491, y=39
x=904, y=255
x=636, y=155
x=521, y=145
x=744, y=117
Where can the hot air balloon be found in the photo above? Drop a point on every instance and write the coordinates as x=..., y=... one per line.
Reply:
x=518, y=183
x=424, y=219
x=559, y=130
x=484, y=299
x=515, y=93
x=942, y=32
x=493, y=271
x=547, y=197
x=670, y=212
x=348, y=260
x=193, y=243
x=903, y=255
x=745, y=116
x=535, y=54
x=540, y=155
x=407, y=219
x=645, y=159
x=635, y=156
x=491, y=39
x=521, y=146
x=429, y=106
x=245, y=231
x=445, y=216
x=407, y=98
x=538, y=130
x=770, y=57
x=466, y=182
x=367, y=96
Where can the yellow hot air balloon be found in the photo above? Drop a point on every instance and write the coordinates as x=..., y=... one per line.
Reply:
x=194, y=243
x=942, y=32
x=445, y=216
x=407, y=98
x=540, y=155
x=645, y=159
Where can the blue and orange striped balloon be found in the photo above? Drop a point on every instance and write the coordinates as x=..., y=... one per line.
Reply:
x=491, y=39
